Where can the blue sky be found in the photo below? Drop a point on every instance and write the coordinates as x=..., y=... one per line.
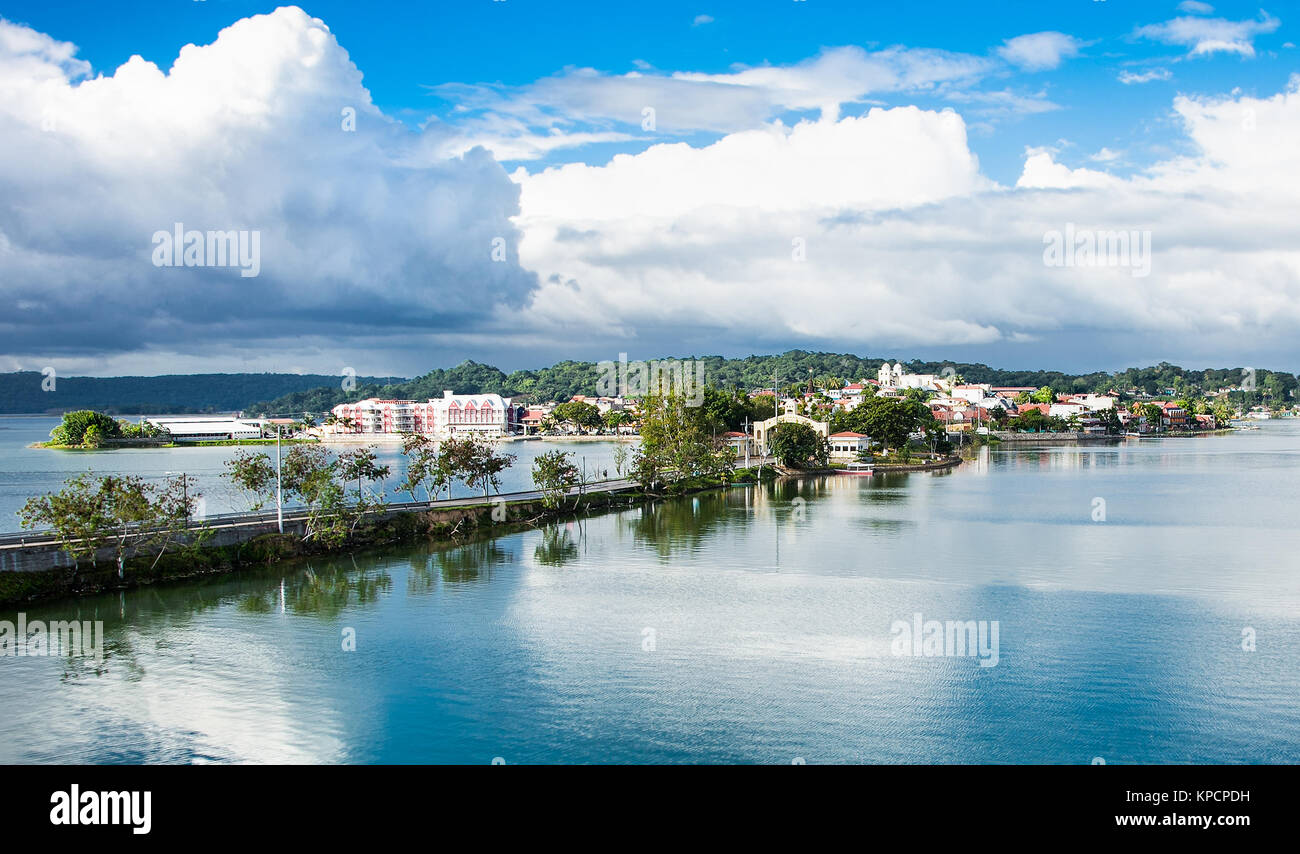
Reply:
x=405, y=48
x=1121, y=106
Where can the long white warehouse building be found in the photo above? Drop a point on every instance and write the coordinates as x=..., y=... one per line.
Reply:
x=209, y=429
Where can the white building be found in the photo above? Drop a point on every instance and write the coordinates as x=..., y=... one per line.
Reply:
x=374, y=415
x=846, y=445
x=603, y=404
x=1094, y=402
x=974, y=392
x=210, y=429
x=739, y=442
x=1066, y=410
x=450, y=415
x=763, y=429
x=471, y=414
x=892, y=377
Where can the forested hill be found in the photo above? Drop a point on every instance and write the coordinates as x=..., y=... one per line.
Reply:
x=293, y=394
x=565, y=379
x=24, y=392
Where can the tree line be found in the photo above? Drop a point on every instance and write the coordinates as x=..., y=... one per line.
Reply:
x=32, y=392
x=792, y=371
x=266, y=393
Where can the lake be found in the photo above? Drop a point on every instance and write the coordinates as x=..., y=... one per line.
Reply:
x=26, y=471
x=1146, y=598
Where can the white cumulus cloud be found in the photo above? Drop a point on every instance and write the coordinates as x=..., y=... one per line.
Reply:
x=1040, y=51
x=880, y=232
x=1211, y=35
x=364, y=237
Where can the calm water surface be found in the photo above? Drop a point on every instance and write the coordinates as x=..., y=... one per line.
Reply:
x=746, y=626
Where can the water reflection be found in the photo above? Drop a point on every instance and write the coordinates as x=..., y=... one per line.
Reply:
x=557, y=545
x=672, y=526
x=320, y=589
x=470, y=563
x=1119, y=639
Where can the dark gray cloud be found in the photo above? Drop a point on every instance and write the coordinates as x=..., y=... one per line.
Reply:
x=267, y=130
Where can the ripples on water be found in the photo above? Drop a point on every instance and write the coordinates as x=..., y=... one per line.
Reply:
x=769, y=621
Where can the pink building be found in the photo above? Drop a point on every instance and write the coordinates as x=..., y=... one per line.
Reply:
x=450, y=415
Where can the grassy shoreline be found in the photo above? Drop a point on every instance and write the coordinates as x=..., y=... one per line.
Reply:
x=210, y=443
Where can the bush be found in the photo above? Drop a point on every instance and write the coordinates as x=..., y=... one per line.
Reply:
x=76, y=424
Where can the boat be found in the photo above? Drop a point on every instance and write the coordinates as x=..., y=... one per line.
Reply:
x=1132, y=435
x=856, y=468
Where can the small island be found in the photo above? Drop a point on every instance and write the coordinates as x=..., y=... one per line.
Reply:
x=88, y=430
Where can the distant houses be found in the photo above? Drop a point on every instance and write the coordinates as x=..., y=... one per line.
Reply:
x=957, y=405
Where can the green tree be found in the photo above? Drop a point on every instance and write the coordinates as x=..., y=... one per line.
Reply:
x=1153, y=415
x=75, y=513
x=427, y=467
x=93, y=437
x=887, y=420
x=361, y=466
x=554, y=474
x=72, y=431
x=675, y=446
x=1110, y=421
x=125, y=512
x=476, y=463
x=1030, y=421
x=1044, y=395
x=799, y=446
x=306, y=470
x=578, y=413
x=621, y=454
x=730, y=410
x=254, y=475
x=616, y=418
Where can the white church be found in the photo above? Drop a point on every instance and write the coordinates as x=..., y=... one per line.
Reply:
x=892, y=377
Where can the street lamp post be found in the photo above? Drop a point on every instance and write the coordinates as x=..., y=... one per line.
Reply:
x=279, y=493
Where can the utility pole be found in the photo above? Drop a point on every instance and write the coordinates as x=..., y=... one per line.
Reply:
x=745, y=427
x=279, y=493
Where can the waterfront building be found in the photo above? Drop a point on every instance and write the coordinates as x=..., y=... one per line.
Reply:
x=846, y=445
x=1066, y=410
x=488, y=415
x=763, y=429
x=1173, y=416
x=739, y=442
x=209, y=429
